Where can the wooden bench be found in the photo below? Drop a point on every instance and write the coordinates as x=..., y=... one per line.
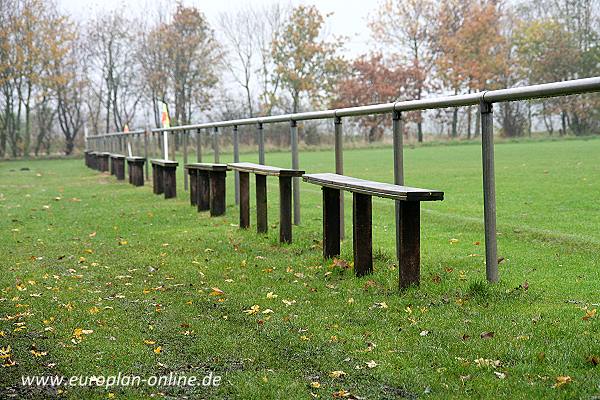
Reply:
x=408, y=227
x=285, y=196
x=87, y=158
x=117, y=166
x=164, y=177
x=135, y=166
x=103, y=161
x=207, y=186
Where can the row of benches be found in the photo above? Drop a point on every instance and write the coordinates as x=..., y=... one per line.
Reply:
x=115, y=164
x=207, y=192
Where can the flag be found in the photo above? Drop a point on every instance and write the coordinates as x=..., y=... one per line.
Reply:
x=125, y=128
x=164, y=118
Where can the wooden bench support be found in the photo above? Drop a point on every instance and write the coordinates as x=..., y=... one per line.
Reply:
x=103, y=162
x=217, y=193
x=244, y=199
x=118, y=166
x=157, y=179
x=111, y=165
x=410, y=253
x=170, y=181
x=193, y=173
x=331, y=222
x=285, y=209
x=203, y=194
x=135, y=166
x=362, y=236
x=262, y=224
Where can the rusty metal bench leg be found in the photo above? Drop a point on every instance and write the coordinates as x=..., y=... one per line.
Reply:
x=262, y=225
x=331, y=222
x=217, y=193
x=244, y=200
x=410, y=253
x=362, y=238
x=285, y=209
x=170, y=182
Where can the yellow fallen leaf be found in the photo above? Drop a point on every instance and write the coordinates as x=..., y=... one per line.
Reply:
x=94, y=310
x=589, y=314
x=271, y=295
x=337, y=374
x=216, y=292
x=252, y=310
x=149, y=342
x=562, y=381
x=315, y=385
x=158, y=350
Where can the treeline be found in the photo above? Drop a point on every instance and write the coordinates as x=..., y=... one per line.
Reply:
x=60, y=77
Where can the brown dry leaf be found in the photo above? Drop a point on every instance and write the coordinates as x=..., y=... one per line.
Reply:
x=487, y=335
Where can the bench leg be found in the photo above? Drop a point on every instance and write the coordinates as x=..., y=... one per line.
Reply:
x=170, y=182
x=112, y=165
x=217, y=193
x=157, y=179
x=362, y=238
x=285, y=209
x=261, y=204
x=203, y=191
x=137, y=174
x=244, y=200
x=193, y=186
x=331, y=222
x=120, y=166
x=410, y=253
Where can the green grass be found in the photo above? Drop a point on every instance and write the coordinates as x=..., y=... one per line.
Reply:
x=80, y=250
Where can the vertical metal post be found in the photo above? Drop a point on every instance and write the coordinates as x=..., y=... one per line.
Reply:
x=173, y=145
x=146, y=132
x=216, y=144
x=199, y=145
x=295, y=165
x=339, y=166
x=261, y=144
x=185, y=159
x=236, y=158
x=489, y=190
x=397, y=128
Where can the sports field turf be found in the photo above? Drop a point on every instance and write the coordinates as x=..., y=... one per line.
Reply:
x=99, y=277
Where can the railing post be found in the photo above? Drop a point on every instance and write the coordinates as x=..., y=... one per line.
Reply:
x=146, y=152
x=236, y=158
x=339, y=167
x=216, y=144
x=295, y=165
x=261, y=144
x=199, y=145
x=397, y=128
x=185, y=159
x=489, y=190
x=173, y=145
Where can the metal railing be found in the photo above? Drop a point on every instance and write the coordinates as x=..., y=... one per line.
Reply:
x=485, y=100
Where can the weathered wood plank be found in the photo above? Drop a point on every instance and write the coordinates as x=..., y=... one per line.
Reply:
x=265, y=169
x=372, y=188
x=410, y=239
x=331, y=222
x=362, y=234
x=244, y=200
x=262, y=225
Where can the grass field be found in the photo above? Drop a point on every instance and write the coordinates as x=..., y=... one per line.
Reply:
x=99, y=277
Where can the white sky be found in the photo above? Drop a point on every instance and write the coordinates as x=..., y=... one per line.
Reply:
x=349, y=17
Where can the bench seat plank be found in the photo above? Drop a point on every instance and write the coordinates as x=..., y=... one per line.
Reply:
x=165, y=163
x=207, y=167
x=371, y=188
x=265, y=169
x=114, y=155
x=135, y=158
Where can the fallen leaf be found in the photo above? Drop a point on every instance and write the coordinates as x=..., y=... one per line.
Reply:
x=487, y=335
x=562, y=381
x=337, y=374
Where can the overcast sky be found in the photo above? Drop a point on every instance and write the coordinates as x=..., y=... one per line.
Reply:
x=349, y=17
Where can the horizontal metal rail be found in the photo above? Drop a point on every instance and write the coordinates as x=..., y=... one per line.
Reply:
x=116, y=141
x=554, y=89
